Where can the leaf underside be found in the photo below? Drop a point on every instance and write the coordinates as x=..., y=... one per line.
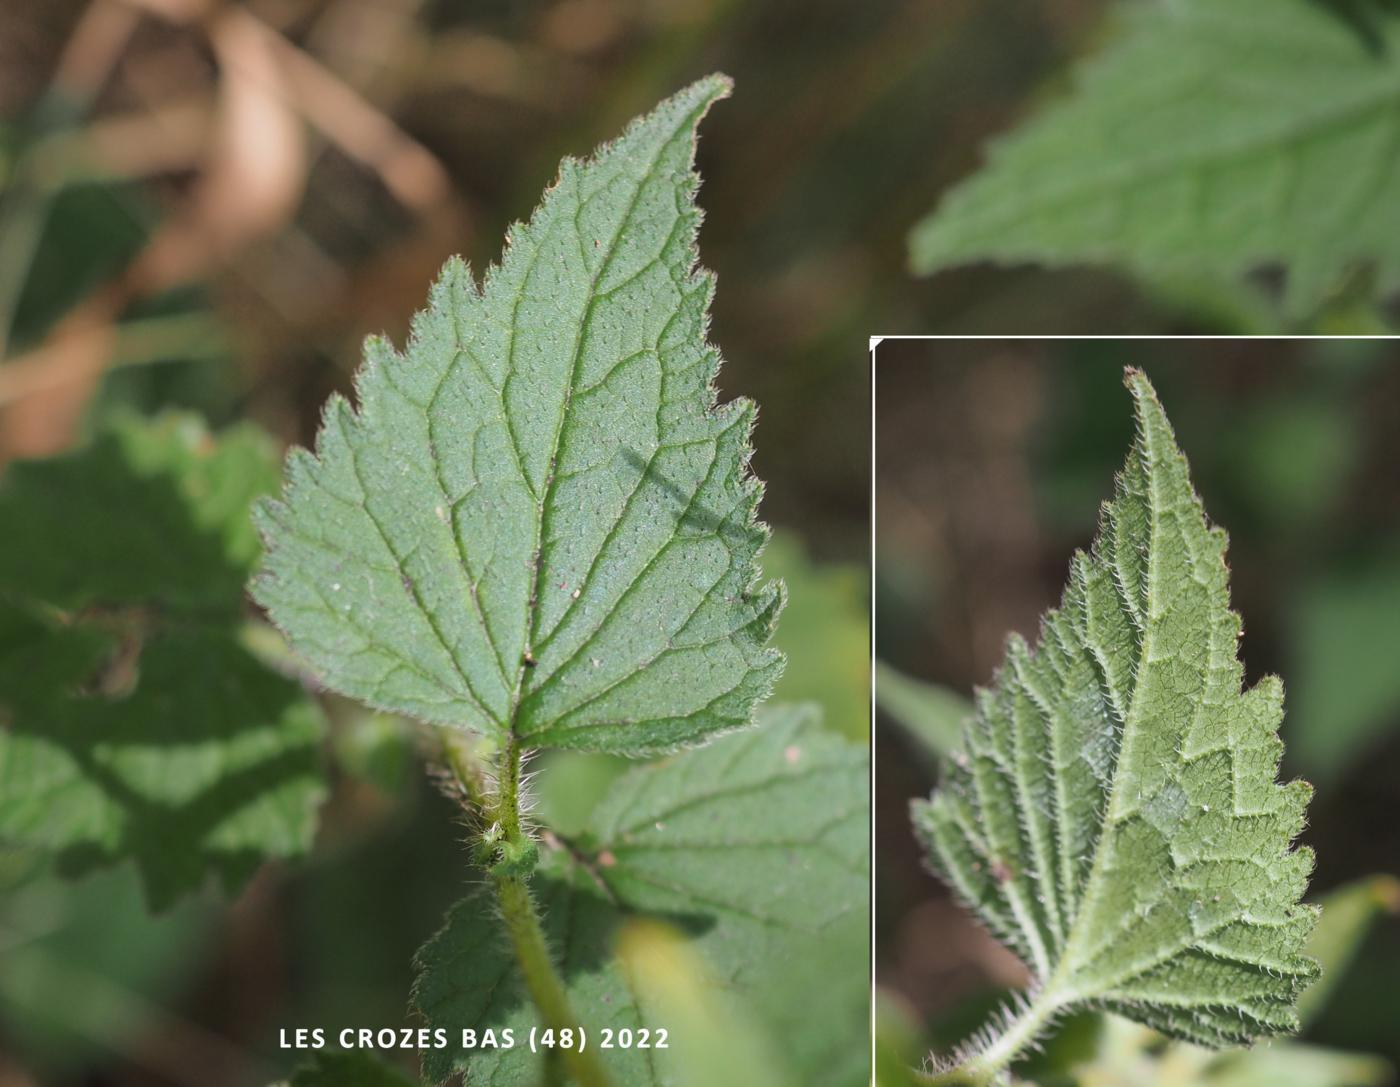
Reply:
x=538, y=521
x=133, y=723
x=1205, y=139
x=1115, y=817
x=755, y=845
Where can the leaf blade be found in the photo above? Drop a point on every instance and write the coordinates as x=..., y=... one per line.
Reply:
x=539, y=521
x=1116, y=817
x=1202, y=141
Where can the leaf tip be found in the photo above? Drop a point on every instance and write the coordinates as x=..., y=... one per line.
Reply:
x=1136, y=381
x=711, y=88
x=683, y=110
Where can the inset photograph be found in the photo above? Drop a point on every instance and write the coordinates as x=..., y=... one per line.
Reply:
x=1137, y=604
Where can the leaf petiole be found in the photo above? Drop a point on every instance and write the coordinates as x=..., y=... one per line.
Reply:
x=1016, y=1035
x=522, y=920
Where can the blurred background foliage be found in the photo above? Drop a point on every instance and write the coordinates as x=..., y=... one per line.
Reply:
x=206, y=206
x=991, y=460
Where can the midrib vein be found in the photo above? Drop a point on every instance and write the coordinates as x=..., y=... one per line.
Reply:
x=547, y=492
x=1102, y=848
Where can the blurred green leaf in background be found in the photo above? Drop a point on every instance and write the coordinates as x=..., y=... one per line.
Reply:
x=1203, y=142
x=932, y=716
x=825, y=634
x=1345, y=630
x=86, y=965
x=138, y=725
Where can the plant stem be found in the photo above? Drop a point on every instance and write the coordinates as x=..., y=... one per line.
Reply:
x=522, y=922
x=983, y=1068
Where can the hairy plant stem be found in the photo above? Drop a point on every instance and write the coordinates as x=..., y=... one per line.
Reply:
x=522, y=921
x=982, y=1069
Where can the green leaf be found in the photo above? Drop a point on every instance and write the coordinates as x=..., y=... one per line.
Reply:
x=1346, y=687
x=825, y=634
x=538, y=522
x=1127, y=1053
x=153, y=514
x=1205, y=140
x=1116, y=817
x=136, y=725
x=714, y=1041
x=825, y=640
x=930, y=715
x=86, y=970
x=755, y=845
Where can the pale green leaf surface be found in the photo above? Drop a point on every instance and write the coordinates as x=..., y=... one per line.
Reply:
x=756, y=845
x=133, y=724
x=1115, y=816
x=538, y=520
x=1205, y=139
